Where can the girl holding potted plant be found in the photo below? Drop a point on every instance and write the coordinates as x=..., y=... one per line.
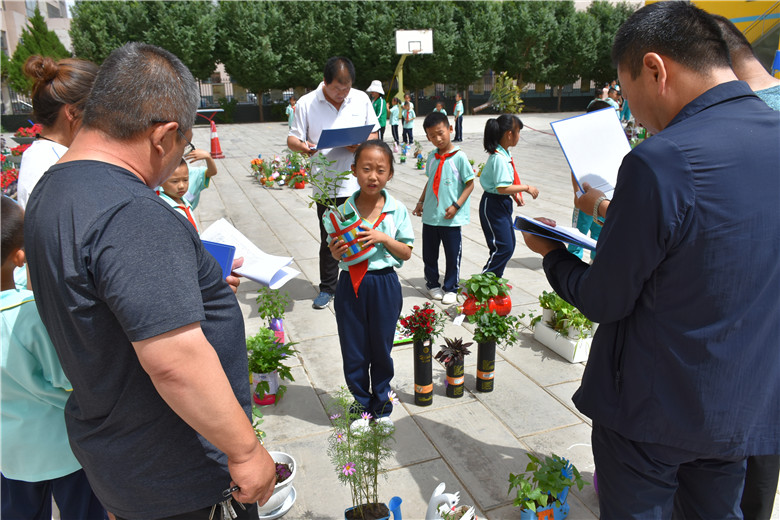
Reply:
x=368, y=300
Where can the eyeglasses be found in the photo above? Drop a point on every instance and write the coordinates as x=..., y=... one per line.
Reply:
x=190, y=147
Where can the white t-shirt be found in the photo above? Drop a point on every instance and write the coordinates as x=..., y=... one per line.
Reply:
x=314, y=113
x=38, y=158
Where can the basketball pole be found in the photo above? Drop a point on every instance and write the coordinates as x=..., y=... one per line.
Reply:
x=399, y=73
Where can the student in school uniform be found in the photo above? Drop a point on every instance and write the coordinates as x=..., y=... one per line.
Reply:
x=408, y=115
x=174, y=191
x=367, y=308
x=501, y=183
x=458, y=114
x=199, y=176
x=444, y=207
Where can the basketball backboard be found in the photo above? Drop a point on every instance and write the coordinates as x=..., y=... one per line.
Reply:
x=414, y=42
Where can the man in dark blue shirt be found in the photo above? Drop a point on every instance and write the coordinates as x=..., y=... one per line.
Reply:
x=683, y=379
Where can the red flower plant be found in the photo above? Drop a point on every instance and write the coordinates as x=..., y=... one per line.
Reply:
x=423, y=323
x=31, y=131
x=19, y=150
x=9, y=177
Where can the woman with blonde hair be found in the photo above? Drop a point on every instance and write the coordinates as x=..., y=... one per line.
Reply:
x=59, y=93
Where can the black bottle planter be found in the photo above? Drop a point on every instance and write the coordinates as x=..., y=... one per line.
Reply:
x=486, y=364
x=423, y=373
x=455, y=379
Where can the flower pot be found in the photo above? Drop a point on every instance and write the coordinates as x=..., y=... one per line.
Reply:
x=501, y=305
x=15, y=159
x=378, y=511
x=548, y=315
x=486, y=364
x=347, y=231
x=299, y=185
x=573, y=350
x=455, y=378
x=23, y=140
x=273, y=384
x=549, y=512
x=423, y=373
x=282, y=490
x=277, y=325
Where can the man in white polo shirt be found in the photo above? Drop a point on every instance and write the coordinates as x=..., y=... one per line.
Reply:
x=334, y=104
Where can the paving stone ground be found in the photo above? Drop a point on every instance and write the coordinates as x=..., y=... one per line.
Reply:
x=471, y=443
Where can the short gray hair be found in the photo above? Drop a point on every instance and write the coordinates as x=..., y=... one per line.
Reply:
x=139, y=85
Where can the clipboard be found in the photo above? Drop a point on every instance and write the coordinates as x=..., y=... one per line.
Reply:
x=338, y=137
x=223, y=254
x=557, y=233
x=594, y=145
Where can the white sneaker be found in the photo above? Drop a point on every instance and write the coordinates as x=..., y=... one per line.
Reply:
x=385, y=423
x=449, y=298
x=436, y=293
x=359, y=426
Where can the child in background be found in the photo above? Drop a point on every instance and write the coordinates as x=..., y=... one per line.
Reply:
x=36, y=458
x=408, y=115
x=173, y=192
x=366, y=316
x=440, y=108
x=444, y=207
x=457, y=112
x=200, y=176
x=501, y=183
x=395, y=117
x=290, y=111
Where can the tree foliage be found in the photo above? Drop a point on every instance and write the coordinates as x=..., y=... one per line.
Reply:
x=36, y=39
x=97, y=28
x=608, y=17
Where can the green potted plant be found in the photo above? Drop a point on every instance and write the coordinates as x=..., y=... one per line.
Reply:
x=486, y=289
x=266, y=363
x=491, y=329
x=424, y=324
x=544, y=486
x=271, y=306
x=358, y=447
x=563, y=328
x=452, y=355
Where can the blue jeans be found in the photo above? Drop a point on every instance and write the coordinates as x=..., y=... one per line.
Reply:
x=450, y=238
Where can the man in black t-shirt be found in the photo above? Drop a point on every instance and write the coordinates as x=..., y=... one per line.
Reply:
x=148, y=332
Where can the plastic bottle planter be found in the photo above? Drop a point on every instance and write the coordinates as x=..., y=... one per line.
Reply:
x=347, y=231
x=423, y=373
x=549, y=512
x=486, y=365
x=273, y=387
x=277, y=326
x=394, y=506
x=455, y=378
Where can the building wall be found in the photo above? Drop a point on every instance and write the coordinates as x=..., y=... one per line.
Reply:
x=15, y=14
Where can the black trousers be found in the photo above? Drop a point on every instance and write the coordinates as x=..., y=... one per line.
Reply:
x=761, y=478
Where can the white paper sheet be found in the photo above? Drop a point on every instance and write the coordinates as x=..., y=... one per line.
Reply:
x=259, y=266
x=594, y=145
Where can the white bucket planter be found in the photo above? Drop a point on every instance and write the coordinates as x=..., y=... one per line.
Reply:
x=282, y=490
x=573, y=350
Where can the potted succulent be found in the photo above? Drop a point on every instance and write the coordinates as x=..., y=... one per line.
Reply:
x=266, y=356
x=271, y=306
x=563, y=328
x=491, y=329
x=424, y=324
x=452, y=354
x=542, y=490
x=358, y=448
x=285, y=474
x=486, y=289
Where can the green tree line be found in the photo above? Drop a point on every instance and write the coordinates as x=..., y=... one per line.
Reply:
x=284, y=44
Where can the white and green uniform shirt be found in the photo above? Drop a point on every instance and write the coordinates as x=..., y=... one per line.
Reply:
x=497, y=171
x=455, y=173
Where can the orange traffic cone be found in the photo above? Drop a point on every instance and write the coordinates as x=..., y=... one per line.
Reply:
x=216, y=151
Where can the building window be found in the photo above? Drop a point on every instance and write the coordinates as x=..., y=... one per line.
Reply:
x=52, y=11
x=30, y=6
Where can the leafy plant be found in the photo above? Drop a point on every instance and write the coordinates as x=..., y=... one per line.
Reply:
x=484, y=286
x=453, y=352
x=271, y=303
x=257, y=421
x=423, y=323
x=543, y=481
x=267, y=354
x=506, y=95
x=325, y=182
x=489, y=326
x=565, y=315
x=358, y=448
x=229, y=107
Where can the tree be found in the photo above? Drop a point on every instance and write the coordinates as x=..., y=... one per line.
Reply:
x=528, y=35
x=36, y=39
x=97, y=28
x=574, y=53
x=476, y=47
x=188, y=30
x=608, y=18
x=244, y=43
x=373, y=42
